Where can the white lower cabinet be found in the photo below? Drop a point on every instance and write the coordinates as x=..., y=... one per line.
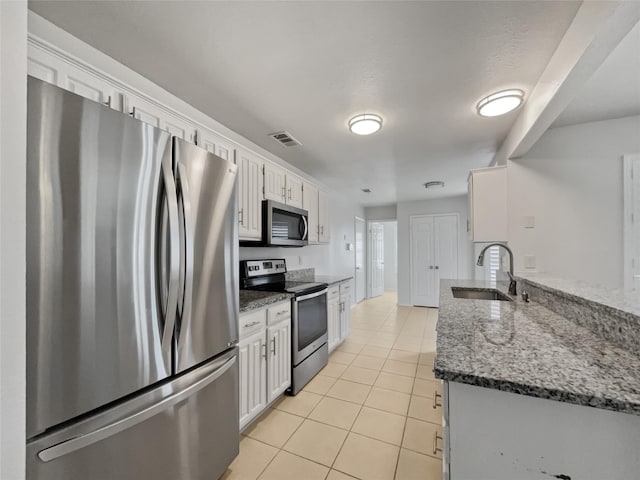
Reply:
x=252, y=360
x=264, y=358
x=333, y=316
x=338, y=313
x=279, y=359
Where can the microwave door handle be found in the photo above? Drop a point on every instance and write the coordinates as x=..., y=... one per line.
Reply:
x=306, y=228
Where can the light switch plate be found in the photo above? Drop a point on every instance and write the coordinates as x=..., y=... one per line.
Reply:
x=530, y=261
x=529, y=221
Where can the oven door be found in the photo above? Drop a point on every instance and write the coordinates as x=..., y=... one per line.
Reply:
x=309, y=331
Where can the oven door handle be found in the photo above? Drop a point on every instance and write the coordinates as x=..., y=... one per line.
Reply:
x=311, y=295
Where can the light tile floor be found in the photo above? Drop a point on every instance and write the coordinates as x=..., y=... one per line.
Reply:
x=369, y=414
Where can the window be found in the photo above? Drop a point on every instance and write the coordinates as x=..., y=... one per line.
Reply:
x=491, y=262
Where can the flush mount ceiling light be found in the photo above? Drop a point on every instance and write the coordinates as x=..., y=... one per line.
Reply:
x=365, y=124
x=438, y=184
x=500, y=103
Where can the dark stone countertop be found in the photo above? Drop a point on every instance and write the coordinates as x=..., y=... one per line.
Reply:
x=254, y=299
x=527, y=349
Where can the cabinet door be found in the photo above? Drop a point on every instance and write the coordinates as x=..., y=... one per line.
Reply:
x=294, y=191
x=253, y=376
x=216, y=144
x=274, y=183
x=249, y=195
x=488, y=204
x=333, y=322
x=323, y=217
x=56, y=71
x=310, y=204
x=152, y=114
x=345, y=315
x=279, y=376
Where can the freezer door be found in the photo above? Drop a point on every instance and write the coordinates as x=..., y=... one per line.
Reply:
x=184, y=430
x=97, y=184
x=208, y=300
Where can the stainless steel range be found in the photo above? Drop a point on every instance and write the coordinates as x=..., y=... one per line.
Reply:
x=309, y=348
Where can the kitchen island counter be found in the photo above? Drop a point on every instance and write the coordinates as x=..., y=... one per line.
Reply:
x=526, y=348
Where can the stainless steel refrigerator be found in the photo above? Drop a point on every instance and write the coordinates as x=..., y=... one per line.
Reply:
x=132, y=298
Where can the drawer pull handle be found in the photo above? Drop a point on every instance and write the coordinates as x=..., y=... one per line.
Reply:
x=436, y=395
x=282, y=312
x=247, y=325
x=436, y=437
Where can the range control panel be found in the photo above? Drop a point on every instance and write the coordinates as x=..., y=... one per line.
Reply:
x=257, y=268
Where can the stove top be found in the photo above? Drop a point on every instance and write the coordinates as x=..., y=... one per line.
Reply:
x=289, y=287
x=269, y=276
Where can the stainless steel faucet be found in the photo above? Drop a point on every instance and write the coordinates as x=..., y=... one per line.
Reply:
x=512, y=280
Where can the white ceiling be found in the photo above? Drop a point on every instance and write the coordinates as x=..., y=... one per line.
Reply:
x=613, y=91
x=307, y=67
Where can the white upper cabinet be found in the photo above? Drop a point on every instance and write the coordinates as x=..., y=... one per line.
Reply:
x=294, y=190
x=323, y=217
x=310, y=204
x=83, y=82
x=216, y=144
x=488, y=204
x=249, y=194
x=159, y=117
x=275, y=183
x=282, y=186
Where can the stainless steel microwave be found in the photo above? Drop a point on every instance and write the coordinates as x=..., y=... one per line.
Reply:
x=282, y=226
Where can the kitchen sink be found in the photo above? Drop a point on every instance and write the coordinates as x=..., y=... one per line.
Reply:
x=479, y=294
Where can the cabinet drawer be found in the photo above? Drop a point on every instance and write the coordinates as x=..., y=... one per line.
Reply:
x=278, y=312
x=345, y=288
x=334, y=291
x=252, y=322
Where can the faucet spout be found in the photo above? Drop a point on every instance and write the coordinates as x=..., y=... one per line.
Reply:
x=512, y=280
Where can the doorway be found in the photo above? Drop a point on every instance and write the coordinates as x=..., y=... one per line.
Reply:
x=434, y=255
x=383, y=257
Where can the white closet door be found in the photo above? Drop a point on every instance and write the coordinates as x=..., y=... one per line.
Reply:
x=423, y=273
x=376, y=233
x=445, y=249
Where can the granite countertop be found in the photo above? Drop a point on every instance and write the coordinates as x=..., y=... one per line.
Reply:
x=254, y=299
x=527, y=349
x=623, y=301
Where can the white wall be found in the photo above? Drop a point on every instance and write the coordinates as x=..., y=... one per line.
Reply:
x=386, y=212
x=390, y=255
x=13, y=118
x=457, y=204
x=571, y=182
x=329, y=259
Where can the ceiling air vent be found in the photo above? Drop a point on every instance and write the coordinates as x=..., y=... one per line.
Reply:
x=285, y=138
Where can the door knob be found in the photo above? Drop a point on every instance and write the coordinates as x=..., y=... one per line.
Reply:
x=437, y=268
x=430, y=267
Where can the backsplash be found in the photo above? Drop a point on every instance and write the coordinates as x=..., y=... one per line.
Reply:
x=300, y=274
x=612, y=324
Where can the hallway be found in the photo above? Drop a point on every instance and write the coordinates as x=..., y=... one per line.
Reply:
x=369, y=414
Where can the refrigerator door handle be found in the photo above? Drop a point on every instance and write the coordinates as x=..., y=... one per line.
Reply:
x=185, y=317
x=174, y=255
x=76, y=443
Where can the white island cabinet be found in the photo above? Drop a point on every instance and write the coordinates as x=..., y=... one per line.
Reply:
x=506, y=436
